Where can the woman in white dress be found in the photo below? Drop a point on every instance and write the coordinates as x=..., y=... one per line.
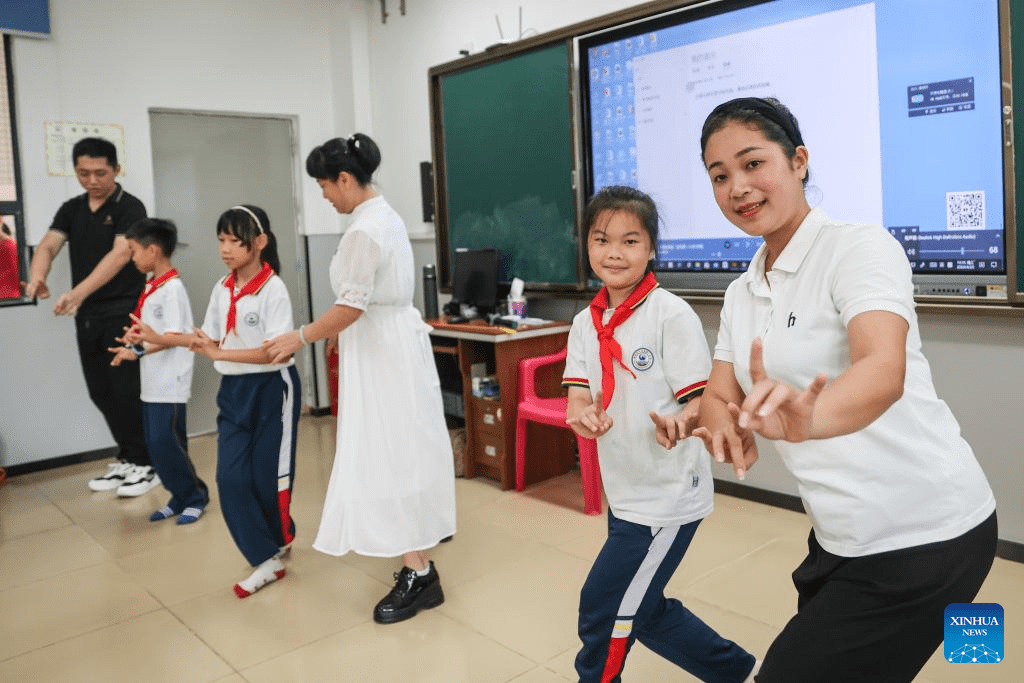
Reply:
x=392, y=489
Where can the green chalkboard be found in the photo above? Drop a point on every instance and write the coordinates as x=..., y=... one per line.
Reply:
x=507, y=165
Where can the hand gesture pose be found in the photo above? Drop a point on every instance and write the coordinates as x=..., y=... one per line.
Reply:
x=201, y=343
x=131, y=335
x=730, y=443
x=283, y=347
x=586, y=417
x=121, y=354
x=67, y=304
x=36, y=288
x=140, y=331
x=776, y=410
x=671, y=429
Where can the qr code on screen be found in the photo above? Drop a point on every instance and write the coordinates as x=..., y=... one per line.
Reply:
x=965, y=210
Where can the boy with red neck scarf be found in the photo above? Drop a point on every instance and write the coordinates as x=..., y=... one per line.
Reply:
x=165, y=366
x=636, y=353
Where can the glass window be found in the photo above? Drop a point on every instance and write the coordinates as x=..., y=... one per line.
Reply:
x=14, y=253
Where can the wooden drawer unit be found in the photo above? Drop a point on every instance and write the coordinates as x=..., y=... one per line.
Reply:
x=489, y=453
x=491, y=423
x=487, y=416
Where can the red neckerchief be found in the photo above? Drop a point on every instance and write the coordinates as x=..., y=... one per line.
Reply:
x=151, y=286
x=251, y=287
x=611, y=352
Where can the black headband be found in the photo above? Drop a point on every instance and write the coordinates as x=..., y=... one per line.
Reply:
x=765, y=109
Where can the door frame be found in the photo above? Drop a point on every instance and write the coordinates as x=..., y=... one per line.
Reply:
x=303, y=312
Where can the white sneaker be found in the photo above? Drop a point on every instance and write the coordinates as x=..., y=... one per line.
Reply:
x=112, y=478
x=138, y=480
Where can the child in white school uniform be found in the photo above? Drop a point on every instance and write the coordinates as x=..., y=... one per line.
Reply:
x=165, y=367
x=258, y=400
x=638, y=351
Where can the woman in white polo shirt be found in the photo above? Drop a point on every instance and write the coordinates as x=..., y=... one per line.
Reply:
x=819, y=350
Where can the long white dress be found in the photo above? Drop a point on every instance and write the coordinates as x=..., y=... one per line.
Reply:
x=392, y=488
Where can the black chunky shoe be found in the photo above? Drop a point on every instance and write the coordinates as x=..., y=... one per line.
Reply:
x=410, y=594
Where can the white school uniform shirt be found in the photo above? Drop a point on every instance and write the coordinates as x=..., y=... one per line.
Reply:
x=166, y=376
x=663, y=343
x=908, y=478
x=258, y=317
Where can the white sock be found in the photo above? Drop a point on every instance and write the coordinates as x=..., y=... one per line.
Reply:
x=269, y=571
x=424, y=571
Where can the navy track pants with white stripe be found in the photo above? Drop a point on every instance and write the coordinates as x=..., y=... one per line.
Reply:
x=623, y=600
x=256, y=429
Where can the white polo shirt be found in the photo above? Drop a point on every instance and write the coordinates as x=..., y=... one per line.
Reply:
x=908, y=478
x=663, y=343
x=167, y=375
x=260, y=316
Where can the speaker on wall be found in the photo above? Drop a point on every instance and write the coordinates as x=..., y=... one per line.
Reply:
x=427, y=190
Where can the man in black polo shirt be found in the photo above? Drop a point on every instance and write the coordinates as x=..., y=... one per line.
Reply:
x=105, y=289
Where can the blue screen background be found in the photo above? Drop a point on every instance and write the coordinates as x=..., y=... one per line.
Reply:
x=923, y=157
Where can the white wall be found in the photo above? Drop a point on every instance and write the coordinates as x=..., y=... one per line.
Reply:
x=432, y=32
x=339, y=70
x=111, y=62
x=977, y=361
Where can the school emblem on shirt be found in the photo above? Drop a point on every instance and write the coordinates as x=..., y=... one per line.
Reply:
x=642, y=359
x=252, y=319
x=158, y=312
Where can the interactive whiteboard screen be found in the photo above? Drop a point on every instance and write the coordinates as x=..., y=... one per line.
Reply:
x=899, y=106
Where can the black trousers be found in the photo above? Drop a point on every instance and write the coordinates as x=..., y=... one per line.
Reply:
x=114, y=390
x=876, y=618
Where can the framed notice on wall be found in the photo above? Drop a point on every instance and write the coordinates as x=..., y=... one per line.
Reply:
x=61, y=137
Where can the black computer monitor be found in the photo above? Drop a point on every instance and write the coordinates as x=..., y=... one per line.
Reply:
x=476, y=279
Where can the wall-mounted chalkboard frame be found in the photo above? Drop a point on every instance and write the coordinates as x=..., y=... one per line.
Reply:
x=504, y=163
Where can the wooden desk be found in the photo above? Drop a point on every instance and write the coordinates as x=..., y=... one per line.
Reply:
x=491, y=423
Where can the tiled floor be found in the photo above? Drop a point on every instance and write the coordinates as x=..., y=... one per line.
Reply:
x=92, y=591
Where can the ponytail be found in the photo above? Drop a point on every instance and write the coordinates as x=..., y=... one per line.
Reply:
x=358, y=156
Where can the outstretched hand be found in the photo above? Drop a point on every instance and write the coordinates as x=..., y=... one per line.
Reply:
x=121, y=354
x=131, y=335
x=67, y=304
x=774, y=409
x=592, y=421
x=671, y=429
x=733, y=444
x=36, y=288
x=140, y=331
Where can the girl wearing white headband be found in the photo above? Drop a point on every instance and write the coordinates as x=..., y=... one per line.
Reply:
x=258, y=398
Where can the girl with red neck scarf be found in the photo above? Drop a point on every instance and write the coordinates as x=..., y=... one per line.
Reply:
x=638, y=352
x=259, y=399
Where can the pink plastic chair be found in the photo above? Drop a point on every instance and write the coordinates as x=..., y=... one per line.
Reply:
x=551, y=411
